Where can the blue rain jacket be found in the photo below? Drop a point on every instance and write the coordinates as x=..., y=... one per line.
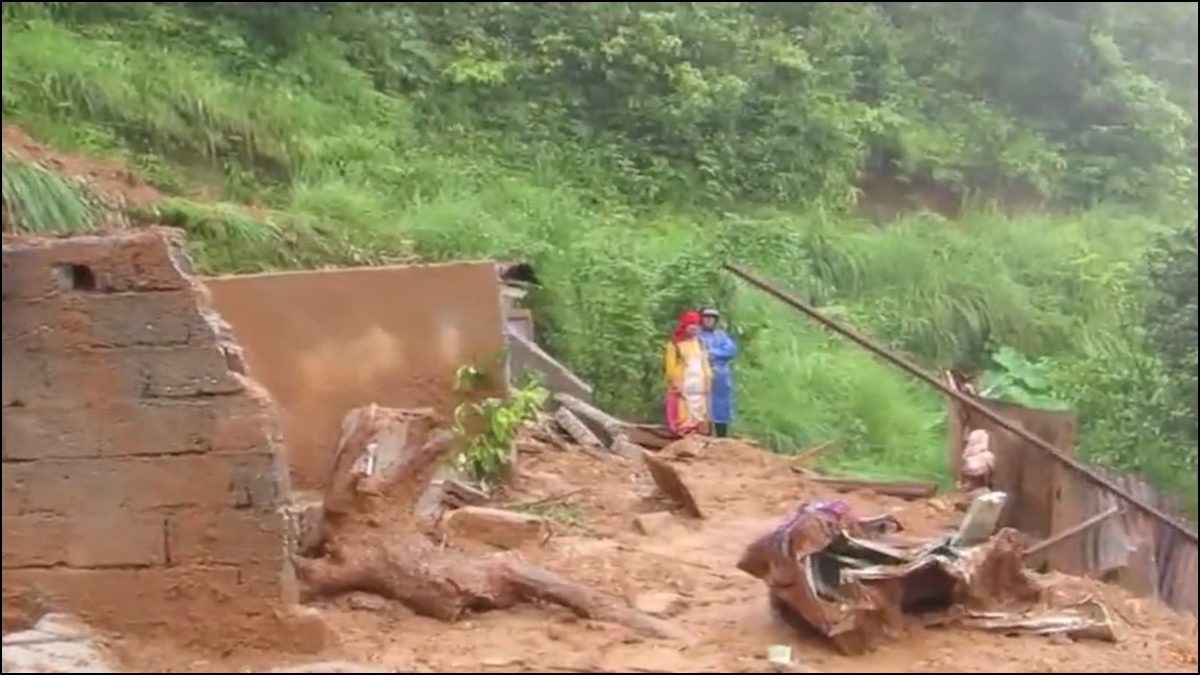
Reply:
x=721, y=349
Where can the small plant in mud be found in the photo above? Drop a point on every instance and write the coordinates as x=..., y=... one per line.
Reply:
x=490, y=426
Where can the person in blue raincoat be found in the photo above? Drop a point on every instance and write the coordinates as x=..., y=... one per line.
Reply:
x=721, y=349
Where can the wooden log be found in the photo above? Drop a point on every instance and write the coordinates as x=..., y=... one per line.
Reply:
x=617, y=440
x=611, y=426
x=621, y=445
x=902, y=489
x=576, y=429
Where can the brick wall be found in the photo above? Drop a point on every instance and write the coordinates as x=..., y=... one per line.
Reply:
x=143, y=474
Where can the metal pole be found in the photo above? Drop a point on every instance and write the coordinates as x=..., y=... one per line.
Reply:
x=916, y=371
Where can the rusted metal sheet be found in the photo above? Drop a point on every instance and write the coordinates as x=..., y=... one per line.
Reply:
x=822, y=570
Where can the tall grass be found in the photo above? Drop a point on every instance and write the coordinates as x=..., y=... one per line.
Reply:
x=43, y=201
x=342, y=175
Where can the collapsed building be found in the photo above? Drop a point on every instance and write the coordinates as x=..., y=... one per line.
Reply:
x=151, y=459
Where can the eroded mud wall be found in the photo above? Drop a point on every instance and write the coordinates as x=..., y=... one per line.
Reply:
x=142, y=475
x=324, y=342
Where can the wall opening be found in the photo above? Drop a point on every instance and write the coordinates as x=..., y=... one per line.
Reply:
x=74, y=277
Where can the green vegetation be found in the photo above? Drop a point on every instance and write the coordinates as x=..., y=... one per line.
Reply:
x=626, y=148
x=43, y=201
x=490, y=426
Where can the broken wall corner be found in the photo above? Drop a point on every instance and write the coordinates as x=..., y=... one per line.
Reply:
x=143, y=473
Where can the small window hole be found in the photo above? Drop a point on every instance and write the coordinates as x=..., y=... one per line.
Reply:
x=75, y=277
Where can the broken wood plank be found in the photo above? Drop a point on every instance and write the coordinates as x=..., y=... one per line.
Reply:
x=913, y=489
x=1071, y=532
x=618, y=443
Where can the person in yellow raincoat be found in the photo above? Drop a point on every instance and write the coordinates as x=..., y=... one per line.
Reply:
x=689, y=377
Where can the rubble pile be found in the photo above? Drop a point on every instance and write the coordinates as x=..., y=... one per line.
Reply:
x=396, y=528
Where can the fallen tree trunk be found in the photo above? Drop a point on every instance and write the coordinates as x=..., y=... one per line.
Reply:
x=584, y=438
x=609, y=424
x=374, y=543
x=618, y=441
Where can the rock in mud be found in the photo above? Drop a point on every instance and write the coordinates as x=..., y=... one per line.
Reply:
x=369, y=603
x=497, y=527
x=56, y=644
x=653, y=523
x=684, y=448
x=662, y=604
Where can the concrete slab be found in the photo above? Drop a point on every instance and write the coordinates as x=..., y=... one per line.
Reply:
x=58, y=643
x=60, y=656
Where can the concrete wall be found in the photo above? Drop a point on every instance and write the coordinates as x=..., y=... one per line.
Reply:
x=143, y=475
x=526, y=358
x=324, y=342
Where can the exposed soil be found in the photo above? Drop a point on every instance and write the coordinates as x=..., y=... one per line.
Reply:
x=743, y=491
x=111, y=180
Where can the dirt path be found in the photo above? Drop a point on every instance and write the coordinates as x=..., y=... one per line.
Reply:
x=744, y=490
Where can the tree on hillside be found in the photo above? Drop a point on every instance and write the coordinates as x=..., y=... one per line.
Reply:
x=1171, y=316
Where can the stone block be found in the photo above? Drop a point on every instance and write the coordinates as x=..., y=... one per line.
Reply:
x=137, y=260
x=108, y=540
x=187, y=372
x=497, y=527
x=24, y=654
x=115, y=320
x=25, y=324
x=650, y=524
x=35, y=433
x=108, y=485
x=211, y=605
x=25, y=376
x=226, y=537
x=98, y=377
x=141, y=427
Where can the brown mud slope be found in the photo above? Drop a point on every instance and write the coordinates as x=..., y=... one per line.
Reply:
x=110, y=180
x=743, y=491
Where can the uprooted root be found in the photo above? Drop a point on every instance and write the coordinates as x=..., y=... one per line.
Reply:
x=373, y=541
